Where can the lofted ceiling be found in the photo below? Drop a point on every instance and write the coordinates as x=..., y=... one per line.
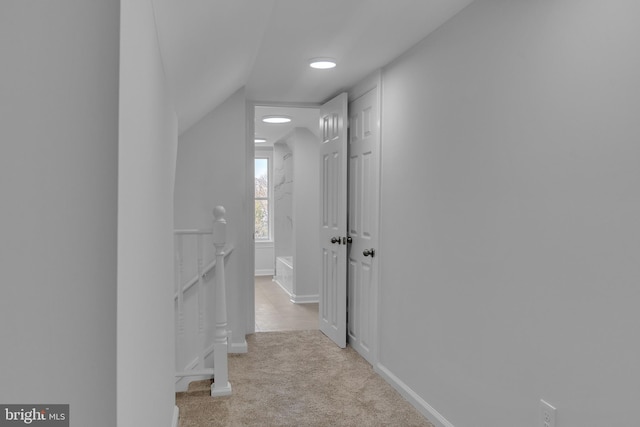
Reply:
x=212, y=48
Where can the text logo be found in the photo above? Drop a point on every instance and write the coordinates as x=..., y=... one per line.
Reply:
x=34, y=415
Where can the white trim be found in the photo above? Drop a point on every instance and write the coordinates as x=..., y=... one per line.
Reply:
x=298, y=299
x=265, y=272
x=189, y=231
x=196, y=373
x=375, y=332
x=372, y=81
x=182, y=382
x=265, y=153
x=419, y=403
x=176, y=416
x=247, y=289
x=190, y=371
x=191, y=366
x=221, y=391
x=250, y=112
x=304, y=299
x=205, y=272
x=275, y=279
x=238, y=347
x=194, y=362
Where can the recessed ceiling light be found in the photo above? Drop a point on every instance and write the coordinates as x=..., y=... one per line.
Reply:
x=276, y=119
x=259, y=140
x=322, y=63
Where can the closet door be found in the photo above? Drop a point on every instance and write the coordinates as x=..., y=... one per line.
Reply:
x=333, y=220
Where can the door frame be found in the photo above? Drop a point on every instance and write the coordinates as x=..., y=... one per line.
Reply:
x=250, y=112
x=372, y=81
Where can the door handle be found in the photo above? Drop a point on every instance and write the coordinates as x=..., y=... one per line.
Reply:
x=369, y=252
x=335, y=240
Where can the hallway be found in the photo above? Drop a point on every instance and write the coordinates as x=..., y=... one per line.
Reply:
x=275, y=312
x=298, y=378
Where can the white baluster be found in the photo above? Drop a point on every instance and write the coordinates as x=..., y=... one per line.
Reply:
x=221, y=385
x=201, y=304
x=179, y=291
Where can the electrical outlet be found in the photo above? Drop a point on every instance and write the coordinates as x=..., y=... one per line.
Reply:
x=547, y=414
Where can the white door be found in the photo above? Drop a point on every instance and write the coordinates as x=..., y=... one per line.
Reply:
x=363, y=222
x=333, y=220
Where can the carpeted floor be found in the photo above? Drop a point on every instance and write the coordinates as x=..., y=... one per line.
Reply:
x=298, y=378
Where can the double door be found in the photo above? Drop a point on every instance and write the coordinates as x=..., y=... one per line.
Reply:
x=349, y=189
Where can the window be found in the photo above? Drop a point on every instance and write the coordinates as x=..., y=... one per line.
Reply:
x=263, y=204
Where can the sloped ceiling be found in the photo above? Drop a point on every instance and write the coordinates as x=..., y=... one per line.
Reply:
x=208, y=48
x=211, y=48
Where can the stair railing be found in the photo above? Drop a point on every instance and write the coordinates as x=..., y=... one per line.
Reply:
x=221, y=385
x=197, y=368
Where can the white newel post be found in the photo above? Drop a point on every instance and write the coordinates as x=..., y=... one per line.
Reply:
x=221, y=385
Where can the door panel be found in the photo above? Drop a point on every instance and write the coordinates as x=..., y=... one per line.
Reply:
x=333, y=224
x=364, y=149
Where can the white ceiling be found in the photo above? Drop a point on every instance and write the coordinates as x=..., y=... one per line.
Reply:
x=211, y=48
x=301, y=117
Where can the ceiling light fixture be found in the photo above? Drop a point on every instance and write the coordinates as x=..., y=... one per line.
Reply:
x=276, y=119
x=322, y=63
x=259, y=140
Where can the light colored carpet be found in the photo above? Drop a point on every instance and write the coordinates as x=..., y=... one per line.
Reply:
x=298, y=378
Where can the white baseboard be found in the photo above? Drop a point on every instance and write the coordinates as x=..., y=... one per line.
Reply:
x=304, y=299
x=265, y=272
x=419, y=403
x=238, y=347
x=221, y=391
x=284, y=288
x=297, y=299
x=176, y=416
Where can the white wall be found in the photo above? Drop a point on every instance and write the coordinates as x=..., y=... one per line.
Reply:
x=297, y=205
x=265, y=256
x=147, y=158
x=58, y=186
x=283, y=181
x=306, y=216
x=511, y=214
x=212, y=170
